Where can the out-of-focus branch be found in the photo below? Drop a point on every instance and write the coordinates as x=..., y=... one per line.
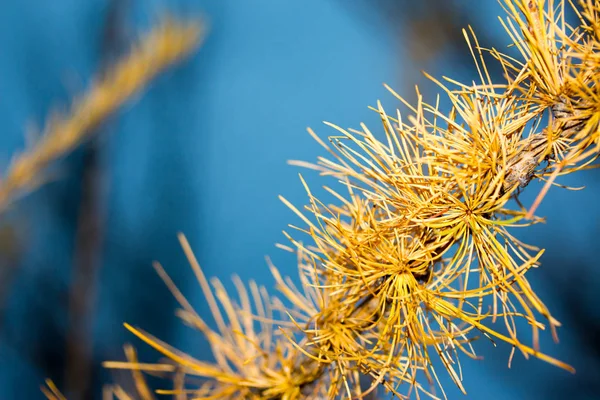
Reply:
x=423, y=30
x=160, y=48
x=10, y=252
x=88, y=242
x=82, y=292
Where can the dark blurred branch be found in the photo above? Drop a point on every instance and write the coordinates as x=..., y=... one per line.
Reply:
x=424, y=29
x=88, y=243
x=10, y=252
x=83, y=283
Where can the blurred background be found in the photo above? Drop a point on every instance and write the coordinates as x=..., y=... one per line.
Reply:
x=203, y=151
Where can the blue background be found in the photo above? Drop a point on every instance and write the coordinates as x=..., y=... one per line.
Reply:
x=203, y=151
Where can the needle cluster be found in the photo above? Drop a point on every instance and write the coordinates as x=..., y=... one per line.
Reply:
x=415, y=258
